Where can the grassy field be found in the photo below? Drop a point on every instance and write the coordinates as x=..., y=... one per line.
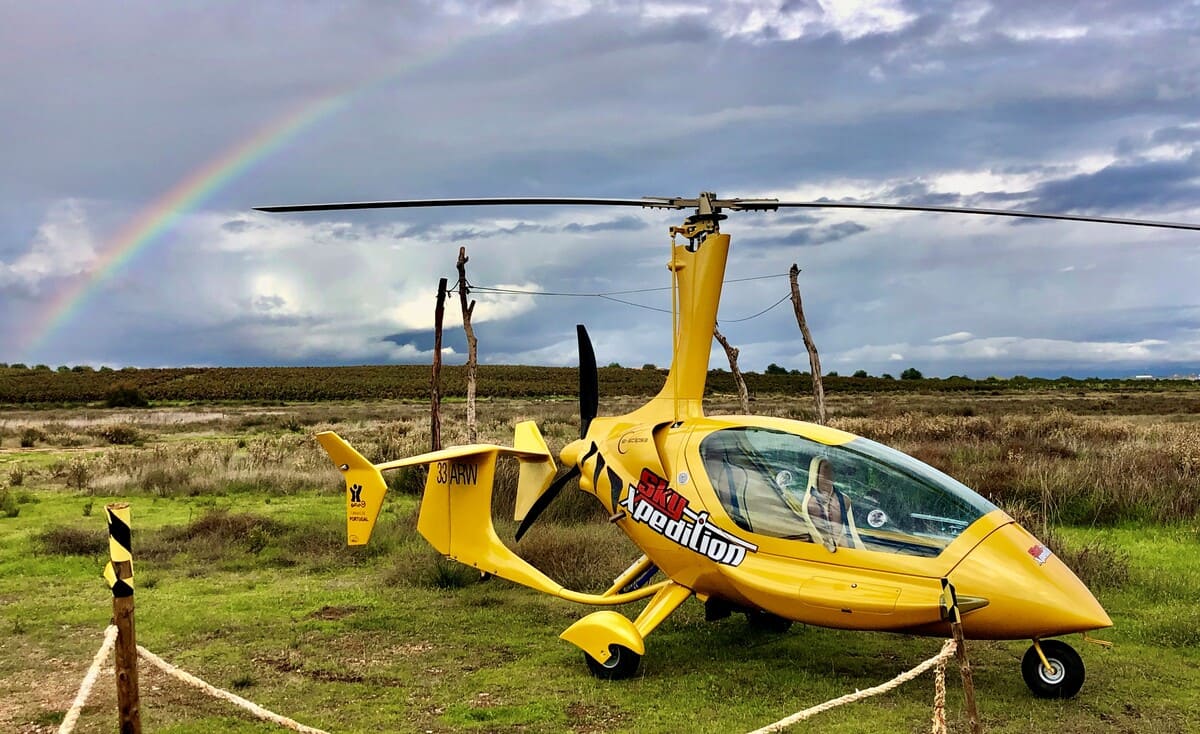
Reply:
x=244, y=580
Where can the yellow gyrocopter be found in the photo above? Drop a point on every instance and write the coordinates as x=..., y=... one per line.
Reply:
x=779, y=519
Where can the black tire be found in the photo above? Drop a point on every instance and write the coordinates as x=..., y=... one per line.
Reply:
x=1066, y=678
x=767, y=623
x=621, y=664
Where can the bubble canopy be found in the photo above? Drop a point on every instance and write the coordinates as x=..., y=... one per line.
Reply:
x=858, y=494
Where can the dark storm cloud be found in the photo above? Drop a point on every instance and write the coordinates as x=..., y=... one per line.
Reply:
x=115, y=108
x=809, y=236
x=424, y=340
x=1124, y=187
x=620, y=224
x=1177, y=134
x=482, y=233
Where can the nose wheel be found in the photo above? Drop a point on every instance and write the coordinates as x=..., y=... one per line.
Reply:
x=1052, y=669
x=621, y=664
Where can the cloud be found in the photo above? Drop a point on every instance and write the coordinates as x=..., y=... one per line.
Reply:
x=958, y=336
x=619, y=224
x=1038, y=351
x=1005, y=105
x=810, y=236
x=63, y=246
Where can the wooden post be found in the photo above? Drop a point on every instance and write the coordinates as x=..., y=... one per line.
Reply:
x=119, y=574
x=467, y=310
x=435, y=383
x=960, y=652
x=814, y=360
x=731, y=353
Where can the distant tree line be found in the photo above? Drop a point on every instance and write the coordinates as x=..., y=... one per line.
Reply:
x=41, y=385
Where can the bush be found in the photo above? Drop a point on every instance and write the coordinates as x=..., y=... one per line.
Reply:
x=8, y=504
x=79, y=474
x=119, y=434
x=73, y=541
x=30, y=436
x=16, y=476
x=125, y=395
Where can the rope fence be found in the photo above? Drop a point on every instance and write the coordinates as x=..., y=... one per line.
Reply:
x=110, y=638
x=89, y=680
x=938, y=660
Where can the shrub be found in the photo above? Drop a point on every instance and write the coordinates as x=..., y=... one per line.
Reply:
x=8, y=504
x=446, y=574
x=581, y=557
x=30, y=436
x=125, y=395
x=119, y=434
x=79, y=474
x=73, y=541
x=16, y=476
x=166, y=482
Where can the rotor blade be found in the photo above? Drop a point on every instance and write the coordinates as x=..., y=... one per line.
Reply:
x=486, y=201
x=589, y=381
x=766, y=205
x=544, y=501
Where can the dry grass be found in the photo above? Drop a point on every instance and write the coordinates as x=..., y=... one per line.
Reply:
x=1074, y=467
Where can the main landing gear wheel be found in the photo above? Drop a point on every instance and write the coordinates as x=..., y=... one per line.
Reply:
x=1065, y=677
x=622, y=663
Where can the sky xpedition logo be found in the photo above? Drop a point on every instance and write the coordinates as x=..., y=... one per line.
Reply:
x=653, y=503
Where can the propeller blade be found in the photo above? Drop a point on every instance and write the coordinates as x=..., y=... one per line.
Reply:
x=544, y=501
x=708, y=204
x=589, y=381
x=768, y=205
x=485, y=201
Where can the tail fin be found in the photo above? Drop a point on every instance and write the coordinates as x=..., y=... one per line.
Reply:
x=365, y=487
x=536, y=473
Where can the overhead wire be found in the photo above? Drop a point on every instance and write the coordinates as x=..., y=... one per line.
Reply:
x=611, y=295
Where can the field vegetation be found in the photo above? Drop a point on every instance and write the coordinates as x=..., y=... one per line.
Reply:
x=243, y=577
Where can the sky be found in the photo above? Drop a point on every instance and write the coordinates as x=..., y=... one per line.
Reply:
x=137, y=138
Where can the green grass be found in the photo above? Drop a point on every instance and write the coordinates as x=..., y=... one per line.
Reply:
x=336, y=641
x=243, y=579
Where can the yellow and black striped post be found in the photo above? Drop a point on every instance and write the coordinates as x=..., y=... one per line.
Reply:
x=119, y=574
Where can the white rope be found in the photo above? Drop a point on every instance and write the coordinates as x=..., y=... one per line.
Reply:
x=947, y=651
x=89, y=680
x=939, y=699
x=250, y=706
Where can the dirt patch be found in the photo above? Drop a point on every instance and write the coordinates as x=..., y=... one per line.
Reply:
x=334, y=613
x=34, y=699
x=587, y=719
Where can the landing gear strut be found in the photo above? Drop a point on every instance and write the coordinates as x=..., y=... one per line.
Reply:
x=1052, y=669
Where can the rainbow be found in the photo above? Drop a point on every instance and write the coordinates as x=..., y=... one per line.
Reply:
x=156, y=219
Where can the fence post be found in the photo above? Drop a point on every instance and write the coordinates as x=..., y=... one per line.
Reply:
x=960, y=652
x=119, y=574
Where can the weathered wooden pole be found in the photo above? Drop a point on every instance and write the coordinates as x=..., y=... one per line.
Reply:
x=119, y=574
x=960, y=652
x=814, y=360
x=435, y=383
x=467, y=310
x=731, y=352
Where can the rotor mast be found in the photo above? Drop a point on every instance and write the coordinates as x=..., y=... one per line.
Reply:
x=697, y=272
